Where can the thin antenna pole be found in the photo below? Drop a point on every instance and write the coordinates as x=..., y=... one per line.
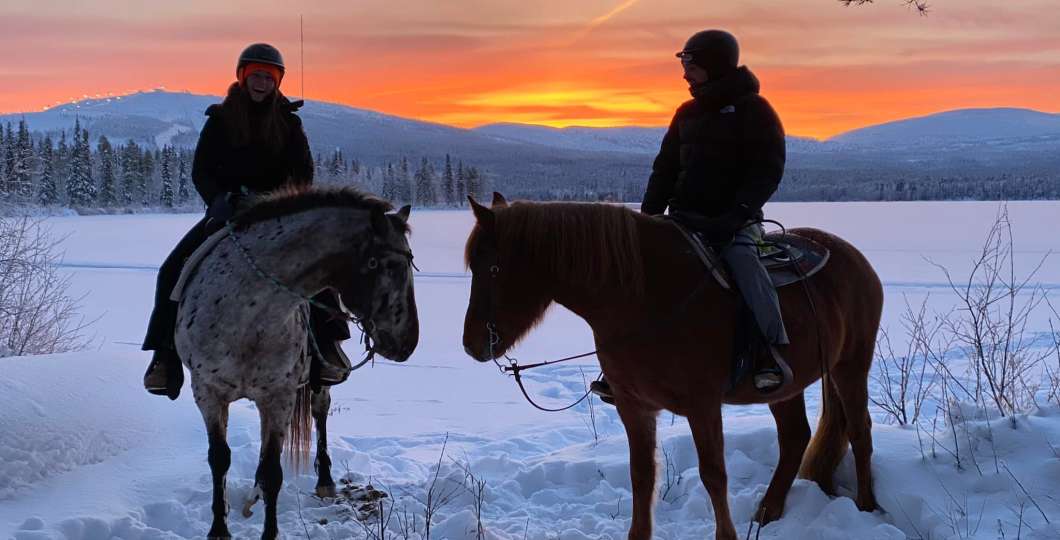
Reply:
x=301, y=52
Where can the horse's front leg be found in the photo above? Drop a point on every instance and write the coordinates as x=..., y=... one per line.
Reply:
x=215, y=413
x=321, y=408
x=710, y=447
x=640, y=431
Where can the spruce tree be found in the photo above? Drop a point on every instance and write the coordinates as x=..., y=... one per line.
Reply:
x=461, y=183
x=425, y=192
x=130, y=172
x=49, y=183
x=473, y=182
x=108, y=181
x=147, y=173
x=80, y=188
x=449, y=183
x=404, y=183
x=183, y=192
x=21, y=176
x=390, y=189
x=62, y=166
x=166, y=177
x=7, y=187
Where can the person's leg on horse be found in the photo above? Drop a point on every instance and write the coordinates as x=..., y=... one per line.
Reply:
x=164, y=375
x=756, y=289
x=331, y=366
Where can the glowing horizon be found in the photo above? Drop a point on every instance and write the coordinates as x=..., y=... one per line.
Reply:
x=826, y=68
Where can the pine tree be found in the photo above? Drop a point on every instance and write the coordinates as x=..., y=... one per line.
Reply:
x=80, y=188
x=108, y=182
x=183, y=192
x=425, y=192
x=449, y=183
x=49, y=183
x=166, y=177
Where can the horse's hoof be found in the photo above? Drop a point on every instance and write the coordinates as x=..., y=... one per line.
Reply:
x=326, y=492
x=867, y=504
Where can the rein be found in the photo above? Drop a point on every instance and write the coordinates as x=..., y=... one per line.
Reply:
x=363, y=323
x=515, y=369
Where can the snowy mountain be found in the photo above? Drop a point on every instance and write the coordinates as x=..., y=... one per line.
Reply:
x=618, y=139
x=159, y=117
x=964, y=125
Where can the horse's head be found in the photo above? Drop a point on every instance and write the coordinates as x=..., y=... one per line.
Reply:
x=385, y=297
x=506, y=301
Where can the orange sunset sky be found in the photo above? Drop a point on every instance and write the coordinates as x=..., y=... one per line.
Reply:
x=825, y=68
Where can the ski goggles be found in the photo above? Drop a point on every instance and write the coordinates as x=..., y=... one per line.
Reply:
x=687, y=58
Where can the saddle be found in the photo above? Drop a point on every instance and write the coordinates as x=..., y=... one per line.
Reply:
x=788, y=258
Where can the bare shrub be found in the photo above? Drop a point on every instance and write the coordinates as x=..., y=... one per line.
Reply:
x=907, y=380
x=37, y=313
x=990, y=325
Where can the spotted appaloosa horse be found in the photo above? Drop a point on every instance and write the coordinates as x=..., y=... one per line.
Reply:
x=242, y=324
x=627, y=275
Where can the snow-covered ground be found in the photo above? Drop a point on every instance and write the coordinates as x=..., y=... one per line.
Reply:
x=86, y=454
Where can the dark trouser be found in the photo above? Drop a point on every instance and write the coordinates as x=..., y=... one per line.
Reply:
x=754, y=283
x=160, y=328
x=162, y=325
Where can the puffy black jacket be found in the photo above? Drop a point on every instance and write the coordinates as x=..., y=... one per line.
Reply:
x=222, y=167
x=723, y=155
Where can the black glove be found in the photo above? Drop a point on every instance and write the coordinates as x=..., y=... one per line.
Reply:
x=223, y=207
x=718, y=230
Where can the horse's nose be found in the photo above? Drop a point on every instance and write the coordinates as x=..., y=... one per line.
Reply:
x=467, y=349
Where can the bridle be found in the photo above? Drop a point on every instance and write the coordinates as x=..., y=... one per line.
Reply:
x=364, y=322
x=515, y=368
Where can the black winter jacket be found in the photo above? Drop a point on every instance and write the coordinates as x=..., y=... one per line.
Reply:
x=723, y=155
x=221, y=167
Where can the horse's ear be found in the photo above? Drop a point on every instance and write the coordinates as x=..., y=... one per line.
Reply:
x=498, y=200
x=379, y=224
x=484, y=215
x=403, y=213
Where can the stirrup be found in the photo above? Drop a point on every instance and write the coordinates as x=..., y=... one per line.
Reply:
x=334, y=366
x=602, y=391
x=769, y=380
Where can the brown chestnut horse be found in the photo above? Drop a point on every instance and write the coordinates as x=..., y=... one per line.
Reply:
x=625, y=273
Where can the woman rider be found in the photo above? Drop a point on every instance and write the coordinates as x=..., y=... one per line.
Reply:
x=252, y=143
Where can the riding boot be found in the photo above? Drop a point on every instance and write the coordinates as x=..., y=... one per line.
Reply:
x=165, y=375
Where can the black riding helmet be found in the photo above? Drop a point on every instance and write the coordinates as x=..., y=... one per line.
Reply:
x=260, y=53
x=716, y=51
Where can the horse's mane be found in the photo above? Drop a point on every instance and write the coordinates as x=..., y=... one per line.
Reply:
x=587, y=245
x=292, y=200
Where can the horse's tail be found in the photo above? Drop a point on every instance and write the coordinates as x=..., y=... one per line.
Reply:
x=829, y=443
x=300, y=434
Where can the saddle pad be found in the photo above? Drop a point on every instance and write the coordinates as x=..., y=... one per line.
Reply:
x=789, y=258
x=193, y=261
